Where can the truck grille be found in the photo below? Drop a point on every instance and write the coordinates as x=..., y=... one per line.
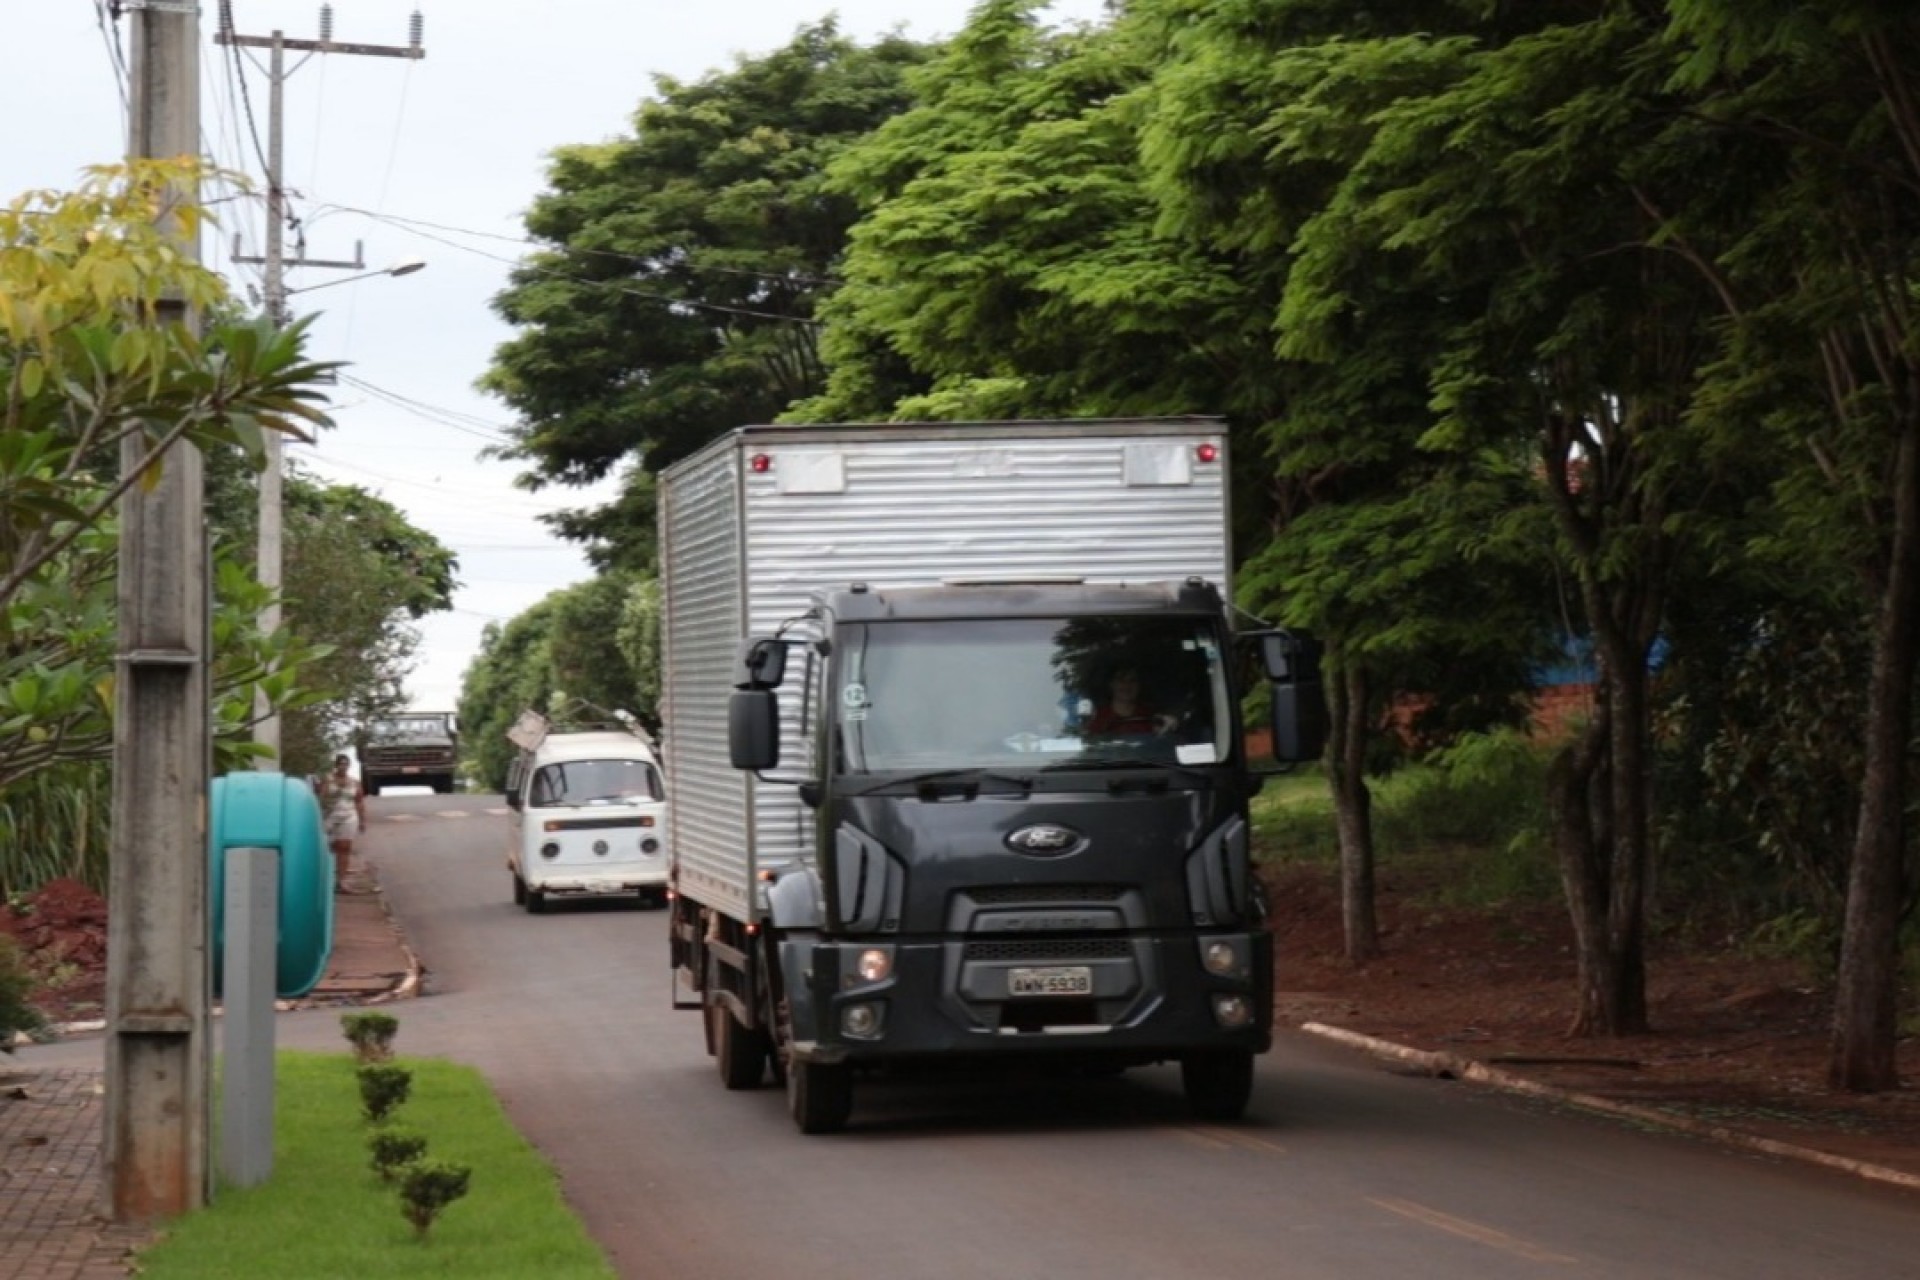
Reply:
x=1015, y=894
x=401, y=757
x=1050, y=950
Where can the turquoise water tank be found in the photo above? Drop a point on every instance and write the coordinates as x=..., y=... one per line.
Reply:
x=273, y=811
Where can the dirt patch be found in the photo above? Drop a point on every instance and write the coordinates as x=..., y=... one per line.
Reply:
x=62, y=933
x=1738, y=1040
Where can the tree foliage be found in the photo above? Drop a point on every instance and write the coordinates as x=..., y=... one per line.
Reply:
x=358, y=574
x=675, y=297
x=102, y=378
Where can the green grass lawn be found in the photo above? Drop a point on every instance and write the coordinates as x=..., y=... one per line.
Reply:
x=325, y=1213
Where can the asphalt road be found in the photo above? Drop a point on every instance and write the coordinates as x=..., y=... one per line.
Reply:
x=1344, y=1168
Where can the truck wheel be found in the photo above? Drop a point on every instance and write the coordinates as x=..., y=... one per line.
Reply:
x=519, y=890
x=1218, y=1084
x=820, y=1095
x=536, y=902
x=741, y=1053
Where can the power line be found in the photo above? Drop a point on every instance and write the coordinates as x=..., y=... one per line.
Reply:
x=694, y=304
x=471, y=425
x=788, y=278
x=116, y=54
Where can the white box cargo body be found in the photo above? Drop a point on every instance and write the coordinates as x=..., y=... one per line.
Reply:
x=752, y=524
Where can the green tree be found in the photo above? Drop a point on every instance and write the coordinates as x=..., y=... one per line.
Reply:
x=676, y=298
x=1816, y=274
x=91, y=367
x=511, y=673
x=358, y=575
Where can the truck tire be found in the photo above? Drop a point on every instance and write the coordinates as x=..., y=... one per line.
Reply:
x=536, y=902
x=519, y=890
x=740, y=1052
x=820, y=1095
x=1218, y=1084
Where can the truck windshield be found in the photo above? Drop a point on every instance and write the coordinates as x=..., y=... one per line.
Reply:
x=411, y=727
x=965, y=693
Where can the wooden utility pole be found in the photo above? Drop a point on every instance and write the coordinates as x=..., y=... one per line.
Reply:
x=158, y=993
x=274, y=263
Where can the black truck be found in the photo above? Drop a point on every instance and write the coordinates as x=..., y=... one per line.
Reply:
x=973, y=821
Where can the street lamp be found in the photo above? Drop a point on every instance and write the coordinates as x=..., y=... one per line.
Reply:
x=404, y=267
x=272, y=525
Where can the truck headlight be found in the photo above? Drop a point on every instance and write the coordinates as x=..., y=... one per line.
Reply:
x=861, y=1020
x=1221, y=958
x=550, y=850
x=1232, y=1011
x=875, y=964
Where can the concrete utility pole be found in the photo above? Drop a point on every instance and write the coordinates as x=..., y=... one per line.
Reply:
x=156, y=1100
x=270, y=554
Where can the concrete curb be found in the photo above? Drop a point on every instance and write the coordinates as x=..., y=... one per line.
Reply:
x=1463, y=1068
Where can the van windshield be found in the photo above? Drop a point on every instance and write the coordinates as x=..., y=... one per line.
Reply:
x=593, y=782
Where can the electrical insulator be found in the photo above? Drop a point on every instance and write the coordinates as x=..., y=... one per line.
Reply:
x=326, y=24
x=416, y=28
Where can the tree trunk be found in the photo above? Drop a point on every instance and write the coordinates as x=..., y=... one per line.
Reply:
x=1353, y=813
x=1865, y=1006
x=1583, y=859
x=1628, y=794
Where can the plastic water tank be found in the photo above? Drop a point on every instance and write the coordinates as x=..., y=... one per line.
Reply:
x=273, y=811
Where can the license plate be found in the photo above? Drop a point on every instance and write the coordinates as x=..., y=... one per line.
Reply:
x=1064, y=980
x=409, y=768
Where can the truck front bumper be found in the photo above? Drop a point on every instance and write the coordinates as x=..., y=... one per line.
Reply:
x=1130, y=998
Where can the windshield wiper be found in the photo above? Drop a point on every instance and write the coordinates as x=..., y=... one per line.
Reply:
x=1100, y=763
x=925, y=780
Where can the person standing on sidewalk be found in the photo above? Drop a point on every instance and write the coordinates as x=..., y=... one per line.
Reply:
x=343, y=809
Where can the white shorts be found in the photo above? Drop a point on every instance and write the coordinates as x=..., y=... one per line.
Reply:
x=341, y=826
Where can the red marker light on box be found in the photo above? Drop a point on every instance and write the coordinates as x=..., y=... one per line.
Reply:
x=761, y=463
x=1208, y=452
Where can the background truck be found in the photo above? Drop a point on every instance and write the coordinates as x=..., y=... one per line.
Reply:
x=412, y=749
x=908, y=831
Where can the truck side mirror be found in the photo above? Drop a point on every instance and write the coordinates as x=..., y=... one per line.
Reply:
x=753, y=729
x=761, y=663
x=1299, y=713
x=1287, y=657
x=513, y=797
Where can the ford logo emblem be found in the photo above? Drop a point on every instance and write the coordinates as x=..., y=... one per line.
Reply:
x=1044, y=840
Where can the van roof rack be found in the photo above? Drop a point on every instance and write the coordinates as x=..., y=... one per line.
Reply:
x=574, y=716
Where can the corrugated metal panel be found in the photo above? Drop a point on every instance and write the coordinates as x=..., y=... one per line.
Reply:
x=703, y=594
x=896, y=505
x=917, y=511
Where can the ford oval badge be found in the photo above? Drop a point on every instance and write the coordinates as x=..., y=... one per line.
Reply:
x=1044, y=840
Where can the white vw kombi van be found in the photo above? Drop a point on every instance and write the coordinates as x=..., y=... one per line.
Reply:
x=587, y=816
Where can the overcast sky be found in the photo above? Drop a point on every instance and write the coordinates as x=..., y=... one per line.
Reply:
x=434, y=160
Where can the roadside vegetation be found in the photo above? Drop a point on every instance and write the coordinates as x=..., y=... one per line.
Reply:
x=328, y=1205
x=1559, y=344
x=1566, y=343
x=90, y=363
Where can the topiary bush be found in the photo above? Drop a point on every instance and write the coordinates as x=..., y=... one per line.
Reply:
x=394, y=1149
x=427, y=1187
x=383, y=1087
x=16, y=1015
x=370, y=1034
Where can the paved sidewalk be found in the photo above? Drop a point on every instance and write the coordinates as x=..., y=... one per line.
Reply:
x=52, y=1121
